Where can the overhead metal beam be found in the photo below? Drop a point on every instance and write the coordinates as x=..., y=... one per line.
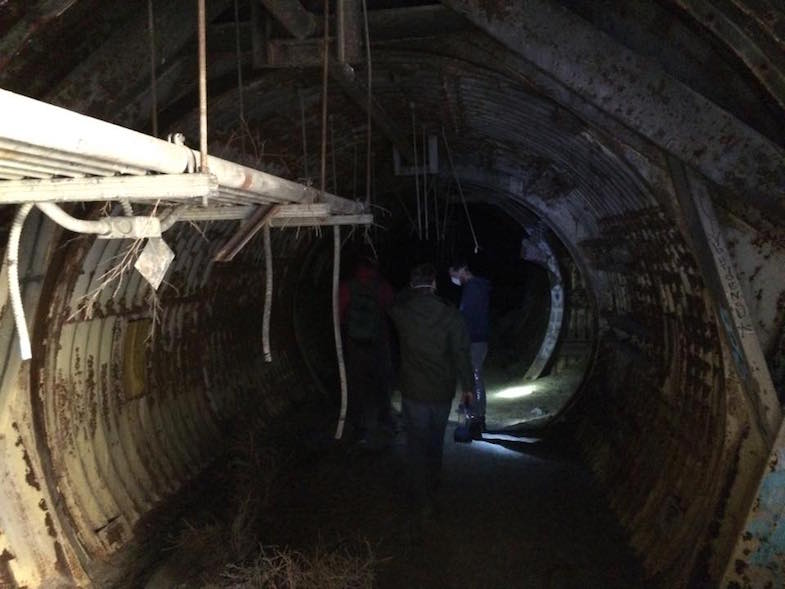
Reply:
x=114, y=74
x=293, y=17
x=356, y=91
x=102, y=188
x=738, y=35
x=634, y=91
x=14, y=40
x=703, y=232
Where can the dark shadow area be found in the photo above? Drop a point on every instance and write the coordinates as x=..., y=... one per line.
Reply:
x=512, y=513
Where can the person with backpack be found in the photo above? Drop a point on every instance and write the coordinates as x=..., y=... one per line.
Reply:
x=364, y=301
x=434, y=346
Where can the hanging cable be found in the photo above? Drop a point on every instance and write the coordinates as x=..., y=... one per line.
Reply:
x=305, y=137
x=325, y=65
x=268, y=293
x=332, y=156
x=416, y=172
x=240, y=90
x=460, y=191
x=203, y=167
x=436, y=214
x=153, y=83
x=337, y=330
x=14, y=289
x=447, y=200
x=369, y=109
x=354, y=171
x=425, y=183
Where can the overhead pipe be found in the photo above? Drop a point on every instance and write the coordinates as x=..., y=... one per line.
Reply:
x=101, y=143
x=59, y=216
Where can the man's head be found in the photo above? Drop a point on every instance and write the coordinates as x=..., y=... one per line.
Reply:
x=460, y=273
x=423, y=277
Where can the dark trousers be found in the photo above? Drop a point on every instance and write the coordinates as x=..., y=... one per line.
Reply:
x=425, y=424
x=368, y=372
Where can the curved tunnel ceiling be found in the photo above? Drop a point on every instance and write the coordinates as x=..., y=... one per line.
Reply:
x=102, y=427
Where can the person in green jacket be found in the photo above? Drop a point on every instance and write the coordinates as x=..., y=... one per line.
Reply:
x=435, y=353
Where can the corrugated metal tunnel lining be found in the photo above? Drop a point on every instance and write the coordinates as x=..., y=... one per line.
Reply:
x=105, y=425
x=133, y=394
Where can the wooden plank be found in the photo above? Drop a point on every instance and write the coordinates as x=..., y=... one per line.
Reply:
x=330, y=221
x=246, y=232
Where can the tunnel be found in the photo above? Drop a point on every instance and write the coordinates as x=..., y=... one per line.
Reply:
x=618, y=168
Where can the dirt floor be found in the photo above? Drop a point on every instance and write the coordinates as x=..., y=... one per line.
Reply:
x=514, y=513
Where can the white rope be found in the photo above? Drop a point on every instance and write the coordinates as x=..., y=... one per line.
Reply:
x=337, y=331
x=268, y=293
x=14, y=290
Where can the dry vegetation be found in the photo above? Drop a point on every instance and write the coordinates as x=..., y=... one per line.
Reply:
x=230, y=547
x=278, y=568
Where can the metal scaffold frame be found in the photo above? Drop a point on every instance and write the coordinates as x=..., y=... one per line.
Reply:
x=51, y=156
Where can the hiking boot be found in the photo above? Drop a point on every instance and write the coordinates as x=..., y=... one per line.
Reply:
x=476, y=427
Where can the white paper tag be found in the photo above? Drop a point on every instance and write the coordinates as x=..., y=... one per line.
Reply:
x=154, y=261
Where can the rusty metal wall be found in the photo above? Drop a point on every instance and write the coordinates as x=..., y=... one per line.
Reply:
x=86, y=450
x=115, y=424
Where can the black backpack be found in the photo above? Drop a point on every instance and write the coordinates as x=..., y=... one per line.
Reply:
x=364, y=321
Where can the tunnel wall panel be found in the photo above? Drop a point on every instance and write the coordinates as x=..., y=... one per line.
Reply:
x=135, y=393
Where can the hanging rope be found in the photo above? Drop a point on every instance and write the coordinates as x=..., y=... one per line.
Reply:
x=14, y=289
x=460, y=191
x=305, y=137
x=370, y=106
x=446, y=209
x=240, y=91
x=268, y=292
x=325, y=65
x=425, y=183
x=354, y=171
x=332, y=156
x=436, y=213
x=416, y=172
x=153, y=84
x=337, y=330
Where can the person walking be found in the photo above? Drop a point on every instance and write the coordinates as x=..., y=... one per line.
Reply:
x=434, y=349
x=475, y=297
x=364, y=301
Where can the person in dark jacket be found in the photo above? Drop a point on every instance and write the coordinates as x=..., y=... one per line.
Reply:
x=434, y=347
x=364, y=301
x=475, y=297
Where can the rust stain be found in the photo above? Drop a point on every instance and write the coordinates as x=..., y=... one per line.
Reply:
x=6, y=576
x=30, y=477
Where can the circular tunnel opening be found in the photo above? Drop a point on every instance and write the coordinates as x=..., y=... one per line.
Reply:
x=541, y=322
